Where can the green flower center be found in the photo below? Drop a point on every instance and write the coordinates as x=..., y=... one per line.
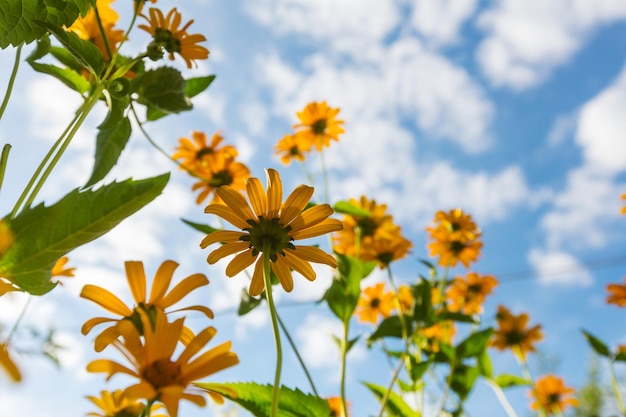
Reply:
x=220, y=178
x=456, y=247
x=385, y=258
x=268, y=234
x=455, y=227
x=515, y=338
x=366, y=225
x=204, y=151
x=294, y=151
x=133, y=411
x=554, y=399
x=135, y=318
x=167, y=40
x=161, y=373
x=319, y=126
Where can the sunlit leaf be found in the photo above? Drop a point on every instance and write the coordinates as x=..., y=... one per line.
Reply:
x=395, y=405
x=474, y=345
x=204, y=228
x=596, y=344
x=345, y=207
x=507, y=381
x=110, y=143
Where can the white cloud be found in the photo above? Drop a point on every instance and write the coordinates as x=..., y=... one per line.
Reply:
x=559, y=268
x=562, y=128
x=440, y=20
x=47, y=118
x=315, y=339
x=526, y=40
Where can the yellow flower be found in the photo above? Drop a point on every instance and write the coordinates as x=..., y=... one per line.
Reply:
x=6, y=286
x=167, y=34
x=6, y=237
x=467, y=294
x=7, y=363
x=160, y=376
x=406, y=298
x=455, y=238
x=374, y=302
x=291, y=147
x=269, y=226
x=199, y=155
x=386, y=250
x=318, y=125
x=617, y=294
x=59, y=269
x=225, y=171
x=441, y=332
x=159, y=299
x=336, y=409
x=551, y=395
x=116, y=404
x=623, y=211
x=513, y=333
x=87, y=28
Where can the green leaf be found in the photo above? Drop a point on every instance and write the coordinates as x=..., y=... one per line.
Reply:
x=395, y=404
x=345, y=207
x=164, y=89
x=84, y=51
x=390, y=327
x=446, y=354
x=463, y=379
x=596, y=344
x=257, y=399
x=66, y=58
x=423, y=310
x=343, y=294
x=41, y=49
x=484, y=364
x=507, y=381
x=474, y=345
x=204, y=228
x=109, y=145
x=45, y=233
x=620, y=357
x=67, y=76
x=459, y=317
x=114, y=117
x=193, y=87
x=418, y=368
x=351, y=343
x=247, y=303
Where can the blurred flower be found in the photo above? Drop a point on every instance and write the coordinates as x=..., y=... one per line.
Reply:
x=385, y=250
x=159, y=300
x=7, y=363
x=225, y=171
x=513, y=333
x=6, y=286
x=269, y=225
x=624, y=207
x=406, y=298
x=455, y=238
x=374, y=302
x=59, y=269
x=318, y=125
x=336, y=409
x=87, y=28
x=467, y=294
x=6, y=237
x=551, y=395
x=116, y=404
x=198, y=155
x=441, y=332
x=161, y=377
x=617, y=294
x=291, y=147
x=167, y=35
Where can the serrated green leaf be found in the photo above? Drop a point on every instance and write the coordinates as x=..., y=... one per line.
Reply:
x=45, y=233
x=596, y=344
x=345, y=207
x=446, y=354
x=67, y=76
x=390, y=327
x=109, y=145
x=247, y=303
x=474, y=345
x=164, y=89
x=395, y=404
x=507, y=381
x=84, y=51
x=343, y=294
x=204, y=228
x=193, y=87
x=257, y=398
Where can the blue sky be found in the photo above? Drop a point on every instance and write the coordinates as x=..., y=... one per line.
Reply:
x=511, y=110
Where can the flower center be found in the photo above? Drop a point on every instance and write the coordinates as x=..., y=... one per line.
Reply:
x=294, y=151
x=161, y=373
x=135, y=318
x=319, y=126
x=167, y=40
x=129, y=412
x=220, y=178
x=457, y=247
x=204, y=151
x=268, y=234
x=515, y=337
x=375, y=302
x=366, y=225
x=553, y=399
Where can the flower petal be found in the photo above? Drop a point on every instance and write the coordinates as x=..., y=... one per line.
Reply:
x=227, y=214
x=182, y=289
x=225, y=250
x=91, y=323
x=282, y=271
x=136, y=277
x=313, y=254
x=257, y=284
x=196, y=345
x=326, y=226
x=105, y=299
x=274, y=193
x=225, y=236
x=257, y=196
x=299, y=265
x=295, y=203
x=237, y=203
x=311, y=216
x=110, y=367
x=240, y=262
x=162, y=280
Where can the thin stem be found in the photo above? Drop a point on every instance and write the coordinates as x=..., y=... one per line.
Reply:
x=7, y=95
x=148, y=408
x=325, y=177
x=344, y=356
x=383, y=402
x=4, y=158
x=295, y=350
x=105, y=40
x=152, y=142
x=502, y=398
x=19, y=320
x=526, y=372
x=616, y=391
x=272, y=308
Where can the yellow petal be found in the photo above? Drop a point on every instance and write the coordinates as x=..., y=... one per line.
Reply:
x=182, y=289
x=109, y=367
x=327, y=226
x=226, y=236
x=227, y=214
x=105, y=299
x=91, y=323
x=257, y=196
x=136, y=277
x=202, y=309
x=299, y=265
x=9, y=365
x=311, y=216
x=282, y=271
x=240, y=262
x=274, y=193
x=162, y=280
x=237, y=203
x=216, y=359
x=313, y=254
x=257, y=284
x=225, y=250
x=295, y=203
x=104, y=339
x=196, y=345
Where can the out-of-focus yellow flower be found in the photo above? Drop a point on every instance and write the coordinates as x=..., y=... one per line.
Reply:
x=406, y=298
x=269, y=226
x=159, y=300
x=161, y=377
x=167, y=34
x=467, y=294
x=87, y=28
x=385, y=250
x=552, y=396
x=336, y=409
x=617, y=294
x=513, y=333
x=374, y=303
x=441, y=332
x=225, y=171
x=318, y=125
x=623, y=211
x=455, y=238
x=116, y=404
x=59, y=269
x=199, y=155
x=6, y=237
x=291, y=147
x=7, y=363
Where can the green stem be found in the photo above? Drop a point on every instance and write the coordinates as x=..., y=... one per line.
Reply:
x=19, y=320
x=147, y=410
x=7, y=95
x=526, y=372
x=616, y=391
x=105, y=40
x=502, y=398
x=344, y=356
x=325, y=177
x=3, y=162
x=394, y=377
x=272, y=308
x=295, y=350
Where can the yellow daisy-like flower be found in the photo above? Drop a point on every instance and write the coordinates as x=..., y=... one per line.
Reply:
x=374, y=303
x=116, y=404
x=198, y=155
x=551, y=395
x=455, y=238
x=7, y=363
x=406, y=299
x=159, y=300
x=386, y=250
x=59, y=269
x=318, y=125
x=513, y=333
x=441, y=332
x=336, y=409
x=87, y=28
x=617, y=294
x=269, y=226
x=167, y=34
x=291, y=147
x=623, y=211
x=467, y=294
x=223, y=172
x=160, y=376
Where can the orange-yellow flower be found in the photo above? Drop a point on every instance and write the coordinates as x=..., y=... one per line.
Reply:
x=168, y=35
x=159, y=300
x=441, y=332
x=336, y=408
x=617, y=294
x=161, y=377
x=291, y=147
x=551, y=395
x=467, y=294
x=59, y=269
x=116, y=404
x=269, y=226
x=374, y=303
x=406, y=298
x=318, y=125
x=385, y=250
x=513, y=333
x=225, y=171
x=87, y=28
x=198, y=155
x=455, y=238
x=8, y=365
x=623, y=211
